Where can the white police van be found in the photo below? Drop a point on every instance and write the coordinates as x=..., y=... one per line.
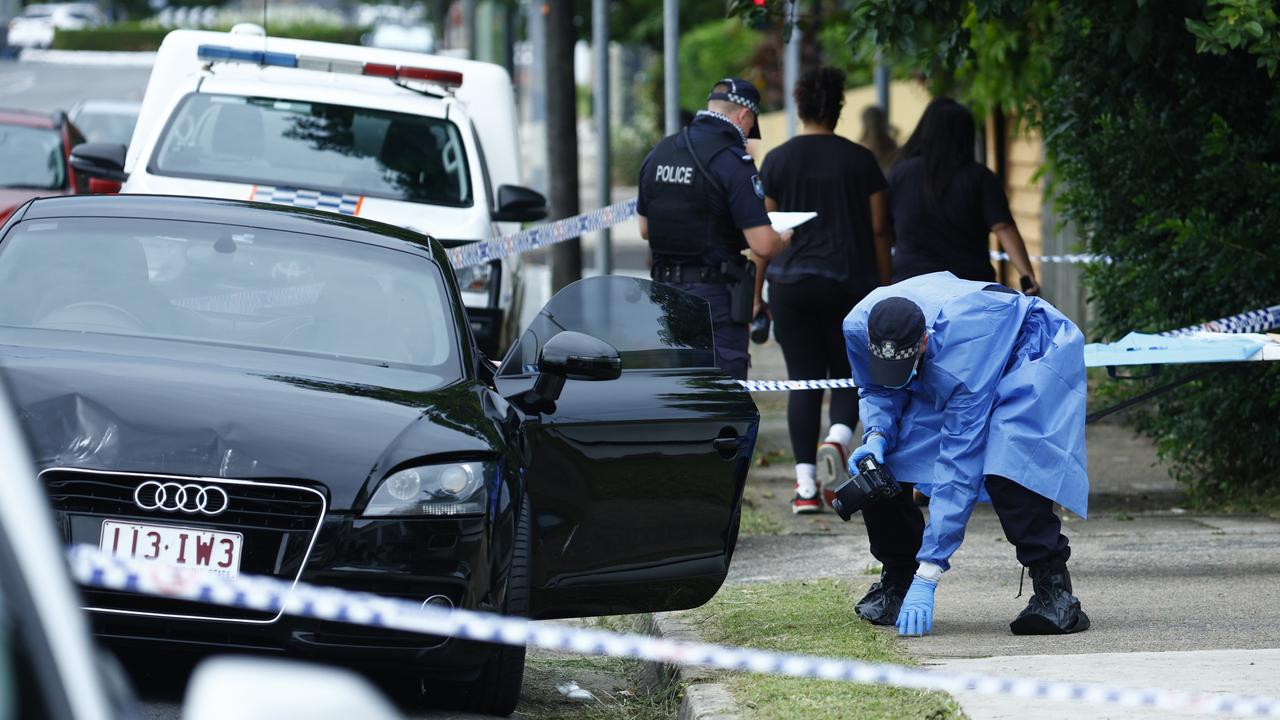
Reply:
x=418, y=141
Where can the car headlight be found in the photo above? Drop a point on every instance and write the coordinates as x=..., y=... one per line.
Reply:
x=475, y=278
x=431, y=491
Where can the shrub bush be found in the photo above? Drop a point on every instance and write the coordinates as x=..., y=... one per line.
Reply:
x=135, y=36
x=1171, y=164
x=712, y=51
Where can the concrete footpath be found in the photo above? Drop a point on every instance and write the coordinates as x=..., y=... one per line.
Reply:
x=1177, y=600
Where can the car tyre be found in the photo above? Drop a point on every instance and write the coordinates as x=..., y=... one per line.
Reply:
x=497, y=690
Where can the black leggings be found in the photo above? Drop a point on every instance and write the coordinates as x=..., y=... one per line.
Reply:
x=807, y=319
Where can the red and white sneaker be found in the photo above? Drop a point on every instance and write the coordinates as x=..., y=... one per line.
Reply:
x=833, y=468
x=801, y=505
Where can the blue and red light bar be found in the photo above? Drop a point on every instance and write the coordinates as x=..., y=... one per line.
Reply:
x=223, y=53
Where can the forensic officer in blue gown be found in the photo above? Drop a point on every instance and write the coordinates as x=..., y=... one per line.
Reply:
x=701, y=203
x=974, y=392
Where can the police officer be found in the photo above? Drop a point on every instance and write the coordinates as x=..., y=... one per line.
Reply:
x=973, y=392
x=701, y=204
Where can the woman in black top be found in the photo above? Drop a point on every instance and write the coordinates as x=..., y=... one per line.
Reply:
x=833, y=262
x=943, y=203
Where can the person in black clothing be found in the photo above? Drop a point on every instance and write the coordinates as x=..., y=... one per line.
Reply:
x=834, y=261
x=701, y=204
x=944, y=204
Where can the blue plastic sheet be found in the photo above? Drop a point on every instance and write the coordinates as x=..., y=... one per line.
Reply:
x=1143, y=349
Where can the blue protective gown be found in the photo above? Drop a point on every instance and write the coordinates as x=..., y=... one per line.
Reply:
x=1001, y=391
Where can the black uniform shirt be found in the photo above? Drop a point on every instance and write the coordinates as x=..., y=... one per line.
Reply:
x=950, y=233
x=732, y=167
x=834, y=177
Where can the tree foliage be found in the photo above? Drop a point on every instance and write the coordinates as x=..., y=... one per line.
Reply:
x=1240, y=24
x=1161, y=122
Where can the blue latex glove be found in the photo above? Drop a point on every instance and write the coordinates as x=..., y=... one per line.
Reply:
x=916, y=615
x=874, y=446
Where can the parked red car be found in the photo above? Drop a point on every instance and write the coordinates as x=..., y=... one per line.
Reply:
x=34, y=148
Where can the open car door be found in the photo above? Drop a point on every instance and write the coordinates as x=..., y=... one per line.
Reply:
x=635, y=483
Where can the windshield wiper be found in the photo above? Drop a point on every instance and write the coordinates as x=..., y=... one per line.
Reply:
x=420, y=91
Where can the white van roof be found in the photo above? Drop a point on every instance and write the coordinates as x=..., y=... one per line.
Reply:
x=486, y=89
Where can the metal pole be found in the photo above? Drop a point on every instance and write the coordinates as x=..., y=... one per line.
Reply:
x=791, y=70
x=882, y=83
x=537, y=31
x=469, y=34
x=600, y=45
x=671, y=64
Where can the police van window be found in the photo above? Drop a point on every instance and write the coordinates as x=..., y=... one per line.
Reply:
x=315, y=146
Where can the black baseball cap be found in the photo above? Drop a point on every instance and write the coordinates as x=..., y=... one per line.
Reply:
x=894, y=329
x=740, y=92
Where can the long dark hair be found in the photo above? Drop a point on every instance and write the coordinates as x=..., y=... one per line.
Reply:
x=944, y=142
x=819, y=96
x=878, y=136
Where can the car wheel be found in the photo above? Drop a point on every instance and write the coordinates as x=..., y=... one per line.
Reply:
x=496, y=690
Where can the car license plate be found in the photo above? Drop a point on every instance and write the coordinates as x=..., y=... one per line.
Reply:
x=208, y=550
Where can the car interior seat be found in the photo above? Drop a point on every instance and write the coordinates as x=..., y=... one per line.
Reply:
x=414, y=154
x=351, y=317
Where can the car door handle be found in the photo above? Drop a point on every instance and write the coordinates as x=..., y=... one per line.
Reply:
x=727, y=447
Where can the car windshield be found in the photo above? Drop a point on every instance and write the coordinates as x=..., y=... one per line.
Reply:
x=288, y=144
x=36, y=12
x=111, y=126
x=231, y=286
x=33, y=158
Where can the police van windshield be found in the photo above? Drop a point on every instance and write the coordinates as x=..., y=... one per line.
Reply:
x=288, y=144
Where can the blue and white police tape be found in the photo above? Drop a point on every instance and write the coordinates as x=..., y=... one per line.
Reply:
x=1254, y=321
x=90, y=566
x=786, y=385
x=559, y=231
x=541, y=236
x=1073, y=258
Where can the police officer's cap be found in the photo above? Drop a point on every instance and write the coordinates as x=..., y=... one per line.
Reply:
x=894, y=328
x=740, y=92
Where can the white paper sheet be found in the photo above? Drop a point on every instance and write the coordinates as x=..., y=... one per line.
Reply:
x=786, y=220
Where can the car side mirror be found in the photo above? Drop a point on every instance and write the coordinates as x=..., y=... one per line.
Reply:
x=519, y=204
x=571, y=356
x=104, y=161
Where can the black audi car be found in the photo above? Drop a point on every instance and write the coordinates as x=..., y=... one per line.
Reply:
x=254, y=389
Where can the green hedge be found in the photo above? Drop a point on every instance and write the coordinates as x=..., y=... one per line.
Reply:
x=1170, y=159
x=131, y=37
x=141, y=37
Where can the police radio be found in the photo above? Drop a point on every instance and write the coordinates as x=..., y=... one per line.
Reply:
x=873, y=483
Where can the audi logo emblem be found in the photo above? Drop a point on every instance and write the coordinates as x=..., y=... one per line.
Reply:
x=177, y=497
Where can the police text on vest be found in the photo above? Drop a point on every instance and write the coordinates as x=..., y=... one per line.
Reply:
x=681, y=174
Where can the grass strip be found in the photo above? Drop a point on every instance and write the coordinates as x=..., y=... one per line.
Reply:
x=631, y=696
x=813, y=617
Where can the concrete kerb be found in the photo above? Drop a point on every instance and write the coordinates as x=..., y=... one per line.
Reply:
x=704, y=698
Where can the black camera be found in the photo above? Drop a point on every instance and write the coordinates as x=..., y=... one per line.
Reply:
x=760, y=328
x=873, y=483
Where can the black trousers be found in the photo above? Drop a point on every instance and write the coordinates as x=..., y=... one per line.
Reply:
x=895, y=527
x=731, y=338
x=807, y=320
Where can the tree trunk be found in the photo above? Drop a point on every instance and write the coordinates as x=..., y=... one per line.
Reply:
x=562, y=139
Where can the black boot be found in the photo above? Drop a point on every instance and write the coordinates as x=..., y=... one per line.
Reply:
x=882, y=602
x=1053, y=610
